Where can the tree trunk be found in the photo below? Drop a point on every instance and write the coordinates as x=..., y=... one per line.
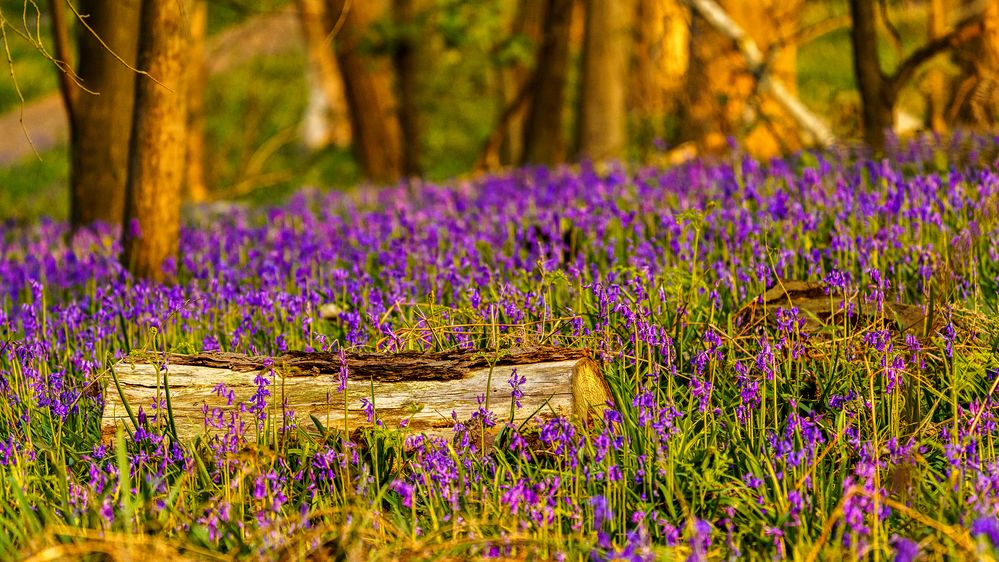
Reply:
x=407, y=68
x=368, y=84
x=974, y=102
x=662, y=53
x=158, y=142
x=602, y=133
x=101, y=122
x=195, y=189
x=876, y=101
x=936, y=97
x=543, y=136
x=327, y=119
x=723, y=98
x=528, y=26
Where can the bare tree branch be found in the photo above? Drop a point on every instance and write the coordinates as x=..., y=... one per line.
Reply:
x=489, y=156
x=720, y=20
x=818, y=29
x=966, y=31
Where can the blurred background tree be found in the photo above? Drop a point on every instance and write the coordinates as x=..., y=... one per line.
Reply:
x=331, y=92
x=98, y=102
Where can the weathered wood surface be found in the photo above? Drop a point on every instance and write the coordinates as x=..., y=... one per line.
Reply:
x=421, y=390
x=820, y=310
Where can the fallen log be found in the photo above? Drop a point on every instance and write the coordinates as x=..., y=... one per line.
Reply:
x=826, y=310
x=206, y=392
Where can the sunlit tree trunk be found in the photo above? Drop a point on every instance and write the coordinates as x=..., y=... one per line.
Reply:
x=368, y=84
x=662, y=53
x=603, y=125
x=544, y=141
x=158, y=141
x=195, y=189
x=936, y=24
x=974, y=102
x=101, y=122
x=719, y=90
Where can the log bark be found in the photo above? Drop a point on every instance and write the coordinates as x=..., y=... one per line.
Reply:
x=822, y=311
x=420, y=390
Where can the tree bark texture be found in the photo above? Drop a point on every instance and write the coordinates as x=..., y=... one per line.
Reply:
x=877, y=103
x=102, y=121
x=159, y=142
x=528, y=26
x=544, y=141
x=722, y=95
x=602, y=133
x=406, y=59
x=368, y=84
x=195, y=189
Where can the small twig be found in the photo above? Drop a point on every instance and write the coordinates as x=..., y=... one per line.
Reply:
x=896, y=37
x=83, y=22
x=340, y=20
x=63, y=59
x=13, y=78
